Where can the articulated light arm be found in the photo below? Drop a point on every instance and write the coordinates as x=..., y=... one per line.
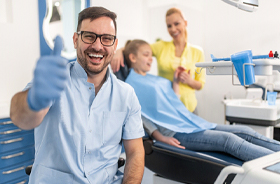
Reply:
x=246, y=5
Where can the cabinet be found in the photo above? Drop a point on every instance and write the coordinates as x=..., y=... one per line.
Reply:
x=16, y=152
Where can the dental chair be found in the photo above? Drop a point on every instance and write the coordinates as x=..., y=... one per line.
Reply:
x=182, y=165
x=186, y=166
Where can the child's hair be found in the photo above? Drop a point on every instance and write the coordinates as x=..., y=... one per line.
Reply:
x=131, y=47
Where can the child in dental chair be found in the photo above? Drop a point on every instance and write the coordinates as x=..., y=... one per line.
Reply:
x=166, y=119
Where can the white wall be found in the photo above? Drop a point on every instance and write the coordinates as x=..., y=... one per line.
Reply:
x=217, y=27
x=214, y=25
x=131, y=18
x=19, y=48
x=228, y=30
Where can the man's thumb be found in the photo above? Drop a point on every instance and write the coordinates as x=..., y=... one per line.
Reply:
x=58, y=46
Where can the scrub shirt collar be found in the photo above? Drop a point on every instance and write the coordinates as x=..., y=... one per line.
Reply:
x=82, y=73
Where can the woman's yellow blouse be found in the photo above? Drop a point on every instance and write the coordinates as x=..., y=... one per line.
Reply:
x=167, y=63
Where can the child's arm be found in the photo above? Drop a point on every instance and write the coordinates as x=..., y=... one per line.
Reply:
x=153, y=132
x=168, y=140
x=175, y=83
x=176, y=88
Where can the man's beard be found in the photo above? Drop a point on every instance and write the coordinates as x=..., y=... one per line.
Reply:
x=86, y=64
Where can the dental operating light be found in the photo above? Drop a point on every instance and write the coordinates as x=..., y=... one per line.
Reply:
x=246, y=5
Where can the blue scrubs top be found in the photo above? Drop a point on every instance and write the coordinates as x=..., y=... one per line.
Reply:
x=79, y=140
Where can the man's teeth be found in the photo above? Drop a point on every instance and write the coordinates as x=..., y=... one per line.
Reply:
x=96, y=55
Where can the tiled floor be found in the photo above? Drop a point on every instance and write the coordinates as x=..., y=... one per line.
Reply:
x=148, y=176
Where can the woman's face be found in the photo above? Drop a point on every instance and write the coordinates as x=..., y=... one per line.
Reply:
x=143, y=59
x=176, y=26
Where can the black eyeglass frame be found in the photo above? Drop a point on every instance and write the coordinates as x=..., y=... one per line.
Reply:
x=97, y=36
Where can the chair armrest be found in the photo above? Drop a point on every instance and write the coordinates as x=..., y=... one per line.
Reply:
x=121, y=162
x=28, y=169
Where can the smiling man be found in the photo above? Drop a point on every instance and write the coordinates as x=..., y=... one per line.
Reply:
x=80, y=111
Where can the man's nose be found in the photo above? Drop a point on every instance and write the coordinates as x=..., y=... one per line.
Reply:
x=97, y=44
x=172, y=28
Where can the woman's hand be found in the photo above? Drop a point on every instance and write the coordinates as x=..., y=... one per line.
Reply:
x=178, y=72
x=185, y=77
x=117, y=60
x=173, y=142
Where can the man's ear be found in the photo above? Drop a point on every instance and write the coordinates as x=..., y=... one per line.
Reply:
x=75, y=40
x=186, y=23
x=115, y=45
x=132, y=58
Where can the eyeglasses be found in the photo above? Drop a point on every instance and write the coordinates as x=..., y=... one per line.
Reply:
x=90, y=38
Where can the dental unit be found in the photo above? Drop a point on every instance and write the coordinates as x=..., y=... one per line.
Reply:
x=260, y=114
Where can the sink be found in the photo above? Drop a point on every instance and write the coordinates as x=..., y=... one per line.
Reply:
x=250, y=111
x=250, y=103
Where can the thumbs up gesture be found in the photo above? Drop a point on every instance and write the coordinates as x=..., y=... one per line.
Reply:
x=50, y=77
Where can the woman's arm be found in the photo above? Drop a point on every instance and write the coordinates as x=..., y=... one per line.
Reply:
x=117, y=60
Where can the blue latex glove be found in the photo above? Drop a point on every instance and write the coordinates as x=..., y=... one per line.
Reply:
x=50, y=78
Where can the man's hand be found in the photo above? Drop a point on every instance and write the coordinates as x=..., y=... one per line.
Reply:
x=50, y=76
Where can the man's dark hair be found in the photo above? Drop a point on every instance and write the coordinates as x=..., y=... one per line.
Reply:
x=94, y=13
